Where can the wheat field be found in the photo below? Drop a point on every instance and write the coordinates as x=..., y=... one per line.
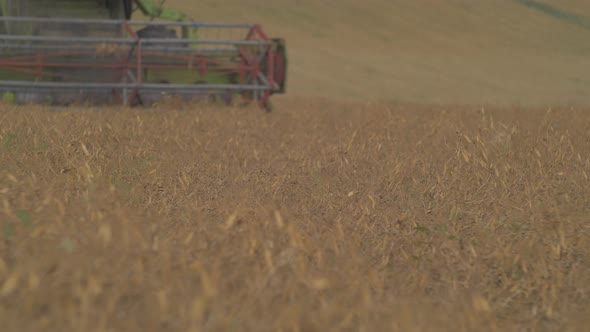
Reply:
x=383, y=218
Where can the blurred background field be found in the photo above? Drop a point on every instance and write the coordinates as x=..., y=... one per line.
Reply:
x=495, y=52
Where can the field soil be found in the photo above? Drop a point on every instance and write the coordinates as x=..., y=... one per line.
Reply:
x=324, y=216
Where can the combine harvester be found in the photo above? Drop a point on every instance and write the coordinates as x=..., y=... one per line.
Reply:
x=63, y=52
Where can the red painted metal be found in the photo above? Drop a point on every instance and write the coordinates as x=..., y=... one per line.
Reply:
x=39, y=67
x=119, y=74
x=135, y=92
x=247, y=96
x=264, y=99
x=260, y=33
x=130, y=30
x=271, y=65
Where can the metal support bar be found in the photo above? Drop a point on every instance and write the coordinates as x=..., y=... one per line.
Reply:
x=115, y=22
x=155, y=86
x=93, y=40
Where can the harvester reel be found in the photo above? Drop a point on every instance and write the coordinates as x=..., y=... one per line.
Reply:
x=125, y=62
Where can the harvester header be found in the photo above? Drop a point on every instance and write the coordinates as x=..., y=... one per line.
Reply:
x=63, y=52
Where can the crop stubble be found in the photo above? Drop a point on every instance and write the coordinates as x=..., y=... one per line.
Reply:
x=320, y=216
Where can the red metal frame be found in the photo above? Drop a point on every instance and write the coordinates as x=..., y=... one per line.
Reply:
x=256, y=33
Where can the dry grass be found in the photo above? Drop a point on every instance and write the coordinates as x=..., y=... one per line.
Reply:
x=319, y=217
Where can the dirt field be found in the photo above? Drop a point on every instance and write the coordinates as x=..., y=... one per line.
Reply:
x=324, y=216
